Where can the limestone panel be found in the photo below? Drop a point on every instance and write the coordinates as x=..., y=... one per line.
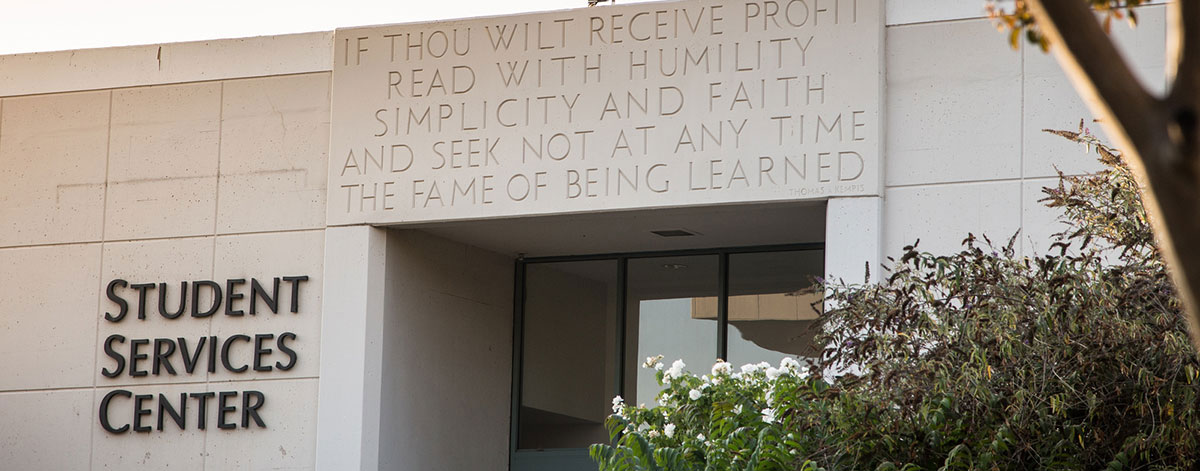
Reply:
x=131, y=66
x=169, y=261
x=923, y=11
x=163, y=163
x=47, y=324
x=287, y=442
x=852, y=236
x=265, y=257
x=46, y=429
x=941, y=216
x=953, y=104
x=153, y=449
x=274, y=141
x=461, y=277
x=447, y=360
x=52, y=157
x=1051, y=102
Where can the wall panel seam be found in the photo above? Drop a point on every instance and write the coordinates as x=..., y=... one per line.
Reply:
x=212, y=272
x=165, y=83
x=153, y=239
x=100, y=278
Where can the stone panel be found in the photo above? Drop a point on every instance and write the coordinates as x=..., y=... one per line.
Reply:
x=1050, y=101
x=131, y=66
x=953, y=104
x=53, y=151
x=941, y=216
x=47, y=316
x=46, y=429
x=924, y=11
x=265, y=257
x=274, y=140
x=169, y=261
x=169, y=448
x=163, y=164
x=289, y=439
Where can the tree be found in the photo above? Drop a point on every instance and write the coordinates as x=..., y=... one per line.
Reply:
x=979, y=360
x=1160, y=136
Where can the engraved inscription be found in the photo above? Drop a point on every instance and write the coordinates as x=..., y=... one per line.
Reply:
x=632, y=106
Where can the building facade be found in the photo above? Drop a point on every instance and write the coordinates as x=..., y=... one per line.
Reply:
x=446, y=246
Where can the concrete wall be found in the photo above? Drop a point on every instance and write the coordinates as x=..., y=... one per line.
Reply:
x=447, y=361
x=208, y=161
x=964, y=114
x=168, y=183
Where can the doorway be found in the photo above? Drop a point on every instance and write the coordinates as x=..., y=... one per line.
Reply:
x=584, y=325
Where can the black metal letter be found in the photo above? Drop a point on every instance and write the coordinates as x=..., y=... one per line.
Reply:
x=141, y=289
x=251, y=410
x=180, y=416
x=225, y=353
x=134, y=356
x=112, y=296
x=231, y=296
x=291, y=354
x=202, y=413
x=295, y=281
x=259, y=351
x=162, y=300
x=216, y=290
x=139, y=411
x=258, y=292
x=222, y=409
x=110, y=351
x=104, y=411
x=162, y=358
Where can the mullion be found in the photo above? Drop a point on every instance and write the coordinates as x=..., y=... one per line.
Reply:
x=622, y=308
x=723, y=306
x=517, y=357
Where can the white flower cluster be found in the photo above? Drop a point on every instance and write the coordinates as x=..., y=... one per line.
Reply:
x=618, y=405
x=768, y=415
x=787, y=366
x=675, y=371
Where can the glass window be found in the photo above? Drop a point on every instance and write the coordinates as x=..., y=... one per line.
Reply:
x=588, y=326
x=569, y=370
x=774, y=303
x=667, y=314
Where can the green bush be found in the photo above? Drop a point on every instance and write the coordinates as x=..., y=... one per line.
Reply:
x=979, y=360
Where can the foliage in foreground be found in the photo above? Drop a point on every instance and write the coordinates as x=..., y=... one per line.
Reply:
x=980, y=360
x=1016, y=17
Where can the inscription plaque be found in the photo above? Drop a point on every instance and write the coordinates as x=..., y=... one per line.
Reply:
x=620, y=107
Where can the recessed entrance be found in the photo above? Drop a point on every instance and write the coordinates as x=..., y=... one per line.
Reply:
x=584, y=325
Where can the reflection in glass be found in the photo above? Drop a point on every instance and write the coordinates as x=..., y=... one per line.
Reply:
x=661, y=318
x=569, y=358
x=773, y=305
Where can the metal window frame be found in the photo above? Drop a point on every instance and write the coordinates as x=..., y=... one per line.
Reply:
x=622, y=259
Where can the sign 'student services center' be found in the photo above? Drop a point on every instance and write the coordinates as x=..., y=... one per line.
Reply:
x=448, y=245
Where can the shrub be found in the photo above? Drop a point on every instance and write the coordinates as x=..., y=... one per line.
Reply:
x=979, y=360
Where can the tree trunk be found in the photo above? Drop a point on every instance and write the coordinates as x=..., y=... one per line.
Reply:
x=1158, y=137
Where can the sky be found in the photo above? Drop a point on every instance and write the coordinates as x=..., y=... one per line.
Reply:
x=55, y=25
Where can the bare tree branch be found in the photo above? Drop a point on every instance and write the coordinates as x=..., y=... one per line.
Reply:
x=1184, y=50
x=1094, y=65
